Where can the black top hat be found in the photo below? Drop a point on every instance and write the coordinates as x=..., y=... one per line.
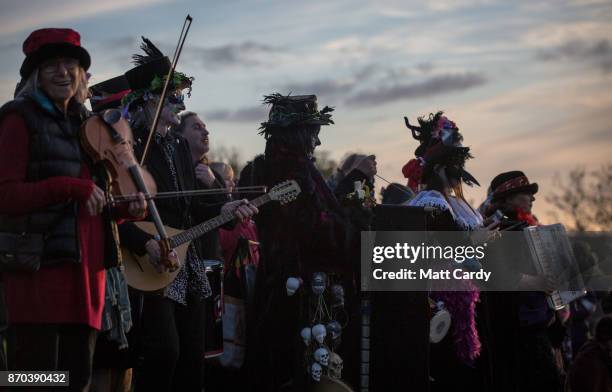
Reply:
x=141, y=76
x=150, y=72
x=108, y=94
x=294, y=110
x=510, y=183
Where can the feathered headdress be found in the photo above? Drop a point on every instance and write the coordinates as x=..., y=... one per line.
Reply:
x=288, y=111
x=151, y=53
x=149, y=74
x=440, y=143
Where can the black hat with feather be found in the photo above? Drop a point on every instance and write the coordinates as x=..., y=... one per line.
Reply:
x=149, y=74
x=291, y=111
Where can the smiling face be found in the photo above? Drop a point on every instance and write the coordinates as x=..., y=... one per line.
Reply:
x=59, y=77
x=197, y=135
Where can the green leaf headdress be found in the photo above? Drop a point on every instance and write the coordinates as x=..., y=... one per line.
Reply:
x=289, y=111
x=149, y=75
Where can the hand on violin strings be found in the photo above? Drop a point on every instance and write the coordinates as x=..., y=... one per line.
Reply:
x=96, y=202
x=205, y=174
x=241, y=209
x=138, y=208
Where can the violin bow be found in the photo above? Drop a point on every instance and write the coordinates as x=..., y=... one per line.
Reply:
x=162, y=98
x=163, y=241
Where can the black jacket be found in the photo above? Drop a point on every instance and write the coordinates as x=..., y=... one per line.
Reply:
x=180, y=212
x=55, y=150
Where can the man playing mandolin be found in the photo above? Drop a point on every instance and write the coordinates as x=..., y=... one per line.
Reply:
x=168, y=334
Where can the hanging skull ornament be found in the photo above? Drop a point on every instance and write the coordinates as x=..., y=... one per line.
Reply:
x=293, y=284
x=306, y=335
x=337, y=292
x=319, y=281
x=334, y=330
x=336, y=364
x=315, y=371
x=319, y=333
x=321, y=355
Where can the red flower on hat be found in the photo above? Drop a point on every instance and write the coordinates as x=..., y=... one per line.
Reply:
x=413, y=171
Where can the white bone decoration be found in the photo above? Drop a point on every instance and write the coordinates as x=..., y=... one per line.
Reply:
x=306, y=335
x=293, y=284
x=321, y=355
x=315, y=371
x=319, y=333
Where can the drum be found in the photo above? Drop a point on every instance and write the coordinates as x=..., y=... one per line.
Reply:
x=214, y=310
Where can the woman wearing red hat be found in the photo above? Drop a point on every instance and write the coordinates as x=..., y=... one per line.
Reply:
x=50, y=193
x=524, y=331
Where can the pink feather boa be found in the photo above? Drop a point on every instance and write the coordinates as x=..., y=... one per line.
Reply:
x=462, y=307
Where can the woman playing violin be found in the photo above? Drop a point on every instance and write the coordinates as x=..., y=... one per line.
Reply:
x=48, y=183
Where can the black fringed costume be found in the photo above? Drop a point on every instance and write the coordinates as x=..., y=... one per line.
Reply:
x=305, y=236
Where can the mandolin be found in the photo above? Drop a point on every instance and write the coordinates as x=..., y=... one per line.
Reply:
x=142, y=275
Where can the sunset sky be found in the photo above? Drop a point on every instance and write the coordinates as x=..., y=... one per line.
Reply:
x=529, y=83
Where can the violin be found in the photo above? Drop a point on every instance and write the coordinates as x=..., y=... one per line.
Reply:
x=108, y=139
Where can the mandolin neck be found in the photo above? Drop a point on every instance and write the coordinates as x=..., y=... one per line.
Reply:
x=211, y=224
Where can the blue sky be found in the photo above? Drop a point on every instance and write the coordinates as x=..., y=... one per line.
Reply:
x=528, y=82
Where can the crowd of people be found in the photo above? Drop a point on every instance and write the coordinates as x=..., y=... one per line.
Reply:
x=265, y=296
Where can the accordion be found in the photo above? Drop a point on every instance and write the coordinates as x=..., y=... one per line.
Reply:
x=552, y=255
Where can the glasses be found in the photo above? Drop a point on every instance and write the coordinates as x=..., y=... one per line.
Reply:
x=52, y=66
x=176, y=98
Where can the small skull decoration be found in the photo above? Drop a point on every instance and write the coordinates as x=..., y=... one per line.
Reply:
x=306, y=335
x=319, y=333
x=334, y=330
x=321, y=355
x=319, y=281
x=315, y=371
x=337, y=292
x=293, y=284
x=335, y=365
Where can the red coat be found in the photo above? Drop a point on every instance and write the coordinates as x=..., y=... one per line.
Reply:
x=65, y=293
x=229, y=241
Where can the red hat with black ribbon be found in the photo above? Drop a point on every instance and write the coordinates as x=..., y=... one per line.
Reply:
x=511, y=183
x=47, y=43
x=108, y=94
